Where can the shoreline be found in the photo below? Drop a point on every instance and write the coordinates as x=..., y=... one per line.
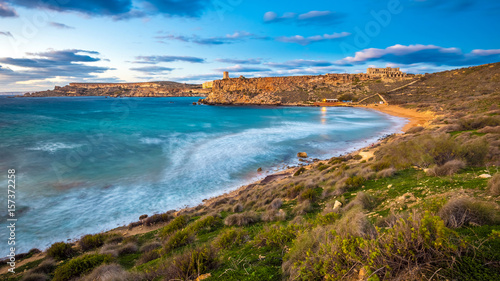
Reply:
x=414, y=117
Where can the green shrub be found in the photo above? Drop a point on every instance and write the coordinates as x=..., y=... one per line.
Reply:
x=354, y=181
x=299, y=171
x=277, y=236
x=206, y=222
x=189, y=265
x=79, y=266
x=322, y=167
x=92, y=241
x=494, y=185
x=178, y=239
x=61, y=251
x=308, y=194
x=176, y=224
x=357, y=157
x=294, y=191
x=474, y=152
x=231, y=237
x=468, y=211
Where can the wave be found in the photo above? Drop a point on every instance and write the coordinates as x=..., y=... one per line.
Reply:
x=54, y=146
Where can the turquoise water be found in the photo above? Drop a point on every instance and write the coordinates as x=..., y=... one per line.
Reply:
x=89, y=164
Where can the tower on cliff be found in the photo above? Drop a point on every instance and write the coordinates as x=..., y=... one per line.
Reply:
x=225, y=75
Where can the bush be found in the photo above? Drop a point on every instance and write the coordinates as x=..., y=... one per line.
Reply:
x=109, y=272
x=385, y=173
x=276, y=204
x=32, y=276
x=179, y=239
x=149, y=246
x=205, y=222
x=148, y=256
x=303, y=208
x=474, y=152
x=60, y=251
x=273, y=215
x=128, y=248
x=449, y=168
x=158, y=218
x=414, y=130
x=90, y=242
x=238, y=208
x=300, y=171
x=294, y=191
x=189, y=265
x=308, y=194
x=46, y=266
x=231, y=237
x=363, y=200
x=242, y=219
x=415, y=247
x=79, y=266
x=468, y=211
x=354, y=181
x=176, y=224
x=277, y=236
x=494, y=185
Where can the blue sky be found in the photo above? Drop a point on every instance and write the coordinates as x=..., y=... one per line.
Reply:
x=47, y=43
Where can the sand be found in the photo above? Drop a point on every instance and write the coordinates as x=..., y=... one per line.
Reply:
x=416, y=118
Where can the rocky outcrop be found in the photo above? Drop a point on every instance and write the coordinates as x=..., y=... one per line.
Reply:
x=290, y=90
x=147, y=89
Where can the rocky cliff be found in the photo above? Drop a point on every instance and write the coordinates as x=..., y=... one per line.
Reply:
x=290, y=90
x=147, y=89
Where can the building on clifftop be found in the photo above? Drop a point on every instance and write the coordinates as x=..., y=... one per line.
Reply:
x=389, y=72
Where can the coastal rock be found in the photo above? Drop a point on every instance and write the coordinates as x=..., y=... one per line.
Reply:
x=337, y=205
x=302, y=155
x=259, y=169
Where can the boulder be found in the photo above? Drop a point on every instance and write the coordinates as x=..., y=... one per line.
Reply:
x=484, y=176
x=337, y=205
x=302, y=155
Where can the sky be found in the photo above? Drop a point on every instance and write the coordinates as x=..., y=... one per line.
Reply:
x=44, y=43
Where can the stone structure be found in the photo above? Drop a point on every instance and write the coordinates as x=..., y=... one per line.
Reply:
x=388, y=72
x=225, y=75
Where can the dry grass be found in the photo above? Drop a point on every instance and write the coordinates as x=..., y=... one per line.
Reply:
x=242, y=219
x=110, y=272
x=468, y=211
x=494, y=185
x=447, y=169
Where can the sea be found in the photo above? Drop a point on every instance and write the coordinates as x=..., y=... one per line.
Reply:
x=89, y=164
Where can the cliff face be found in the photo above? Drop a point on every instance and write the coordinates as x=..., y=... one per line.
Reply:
x=290, y=90
x=148, y=89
